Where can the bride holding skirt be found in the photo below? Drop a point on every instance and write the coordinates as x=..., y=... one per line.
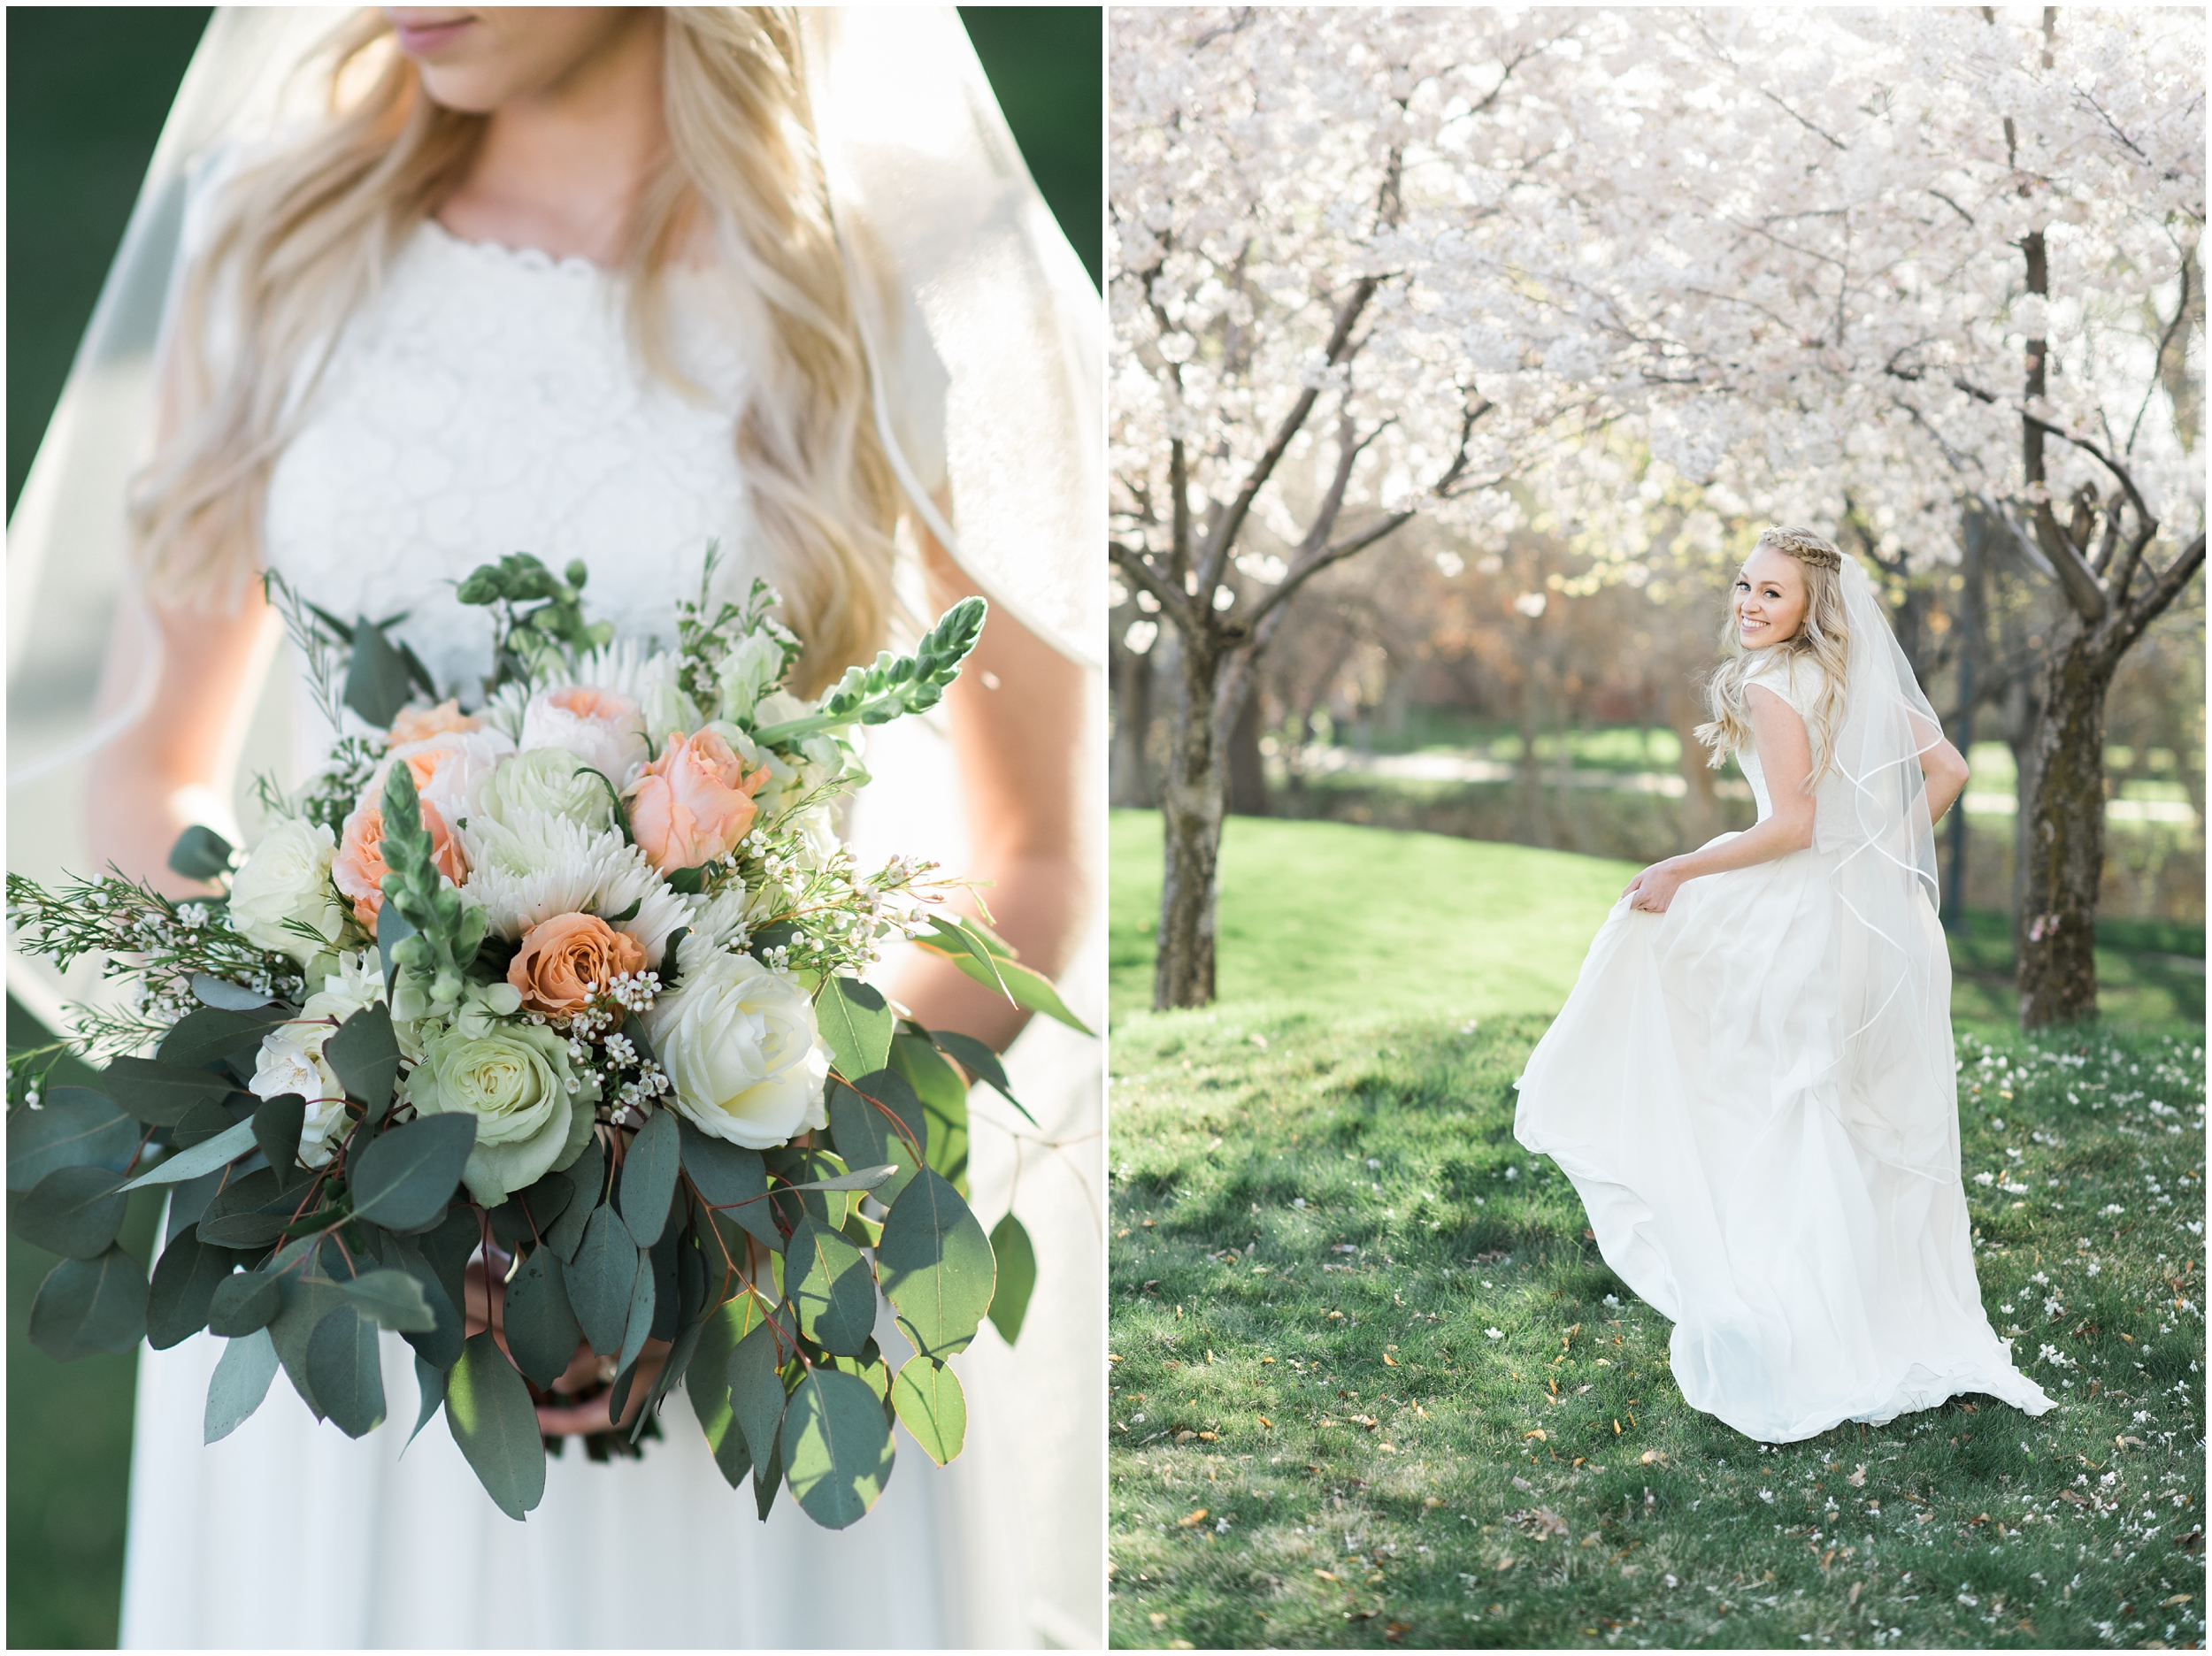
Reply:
x=1752, y=1084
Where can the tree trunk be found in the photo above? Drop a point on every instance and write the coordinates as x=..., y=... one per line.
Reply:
x=2063, y=846
x=1129, y=776
x=1195, y=799
x=1248, y=770
x=1702, y=815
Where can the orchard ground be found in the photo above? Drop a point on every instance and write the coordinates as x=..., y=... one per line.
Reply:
x=1374, y=1385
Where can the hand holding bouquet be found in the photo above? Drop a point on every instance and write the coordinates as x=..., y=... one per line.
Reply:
x=537, y=1034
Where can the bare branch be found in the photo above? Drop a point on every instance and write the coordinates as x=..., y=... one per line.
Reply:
x=1231, y=523
x=1131, y=562
x=2158, y=363
x=2152, y=601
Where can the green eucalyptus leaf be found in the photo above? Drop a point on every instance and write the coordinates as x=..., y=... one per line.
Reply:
x=378, y=683
x=865, y=1118
x=87, y=1306
x=1016, y=1258
x=231, y=997
x=245, y=1303
x=542, y=1329
x=649, y=1176
x=855, y=1023
x=181, y=1295
x=644, y=1301
x=729, y=1178
x=157, y=1092
x=394, y=1298
x=586, y=1176
x=944, y=1097
x=867, y=1365
x=602, y=1280
x=342, y=1364
x=277, y=1125
x=205, y=1157
x=75, y=1127
x=707, y=1381
x=981, y=1063
x=406, y=1177
x=208, y=1035
x=755, y=1372
x=932, y=1407
x=74, y=1211
x=837, y=1448
x=936, y=1267
x=307, y=1301
x=364, y=1053
x=489, y=1409
x=430, y=1397
x=200, y=853
x=241, y=1381
x=828, y=1282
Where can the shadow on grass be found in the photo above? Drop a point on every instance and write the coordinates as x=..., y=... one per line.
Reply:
x=1373, y=1383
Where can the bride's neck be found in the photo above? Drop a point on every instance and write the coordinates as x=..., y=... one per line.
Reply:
x=561, y=169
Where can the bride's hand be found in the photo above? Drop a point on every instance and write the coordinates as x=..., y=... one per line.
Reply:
x=584, y=1369
x=1654, y=888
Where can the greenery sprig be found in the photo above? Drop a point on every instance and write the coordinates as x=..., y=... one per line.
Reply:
x=445, y=933
x=539, y=616
x=895, y=686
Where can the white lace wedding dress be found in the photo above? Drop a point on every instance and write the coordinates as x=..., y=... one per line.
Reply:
x=1732, y=1156
x=486, y=403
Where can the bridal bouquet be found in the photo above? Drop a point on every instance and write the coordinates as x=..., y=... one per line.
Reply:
x=540, y=1030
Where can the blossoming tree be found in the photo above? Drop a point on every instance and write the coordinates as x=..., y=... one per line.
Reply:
x=1880, y=269
x=1281, y=402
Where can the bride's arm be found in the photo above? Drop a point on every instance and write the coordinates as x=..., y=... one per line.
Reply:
x=1015, y=717
x=173, y=767
x=1942, y=764
x=1786, y=758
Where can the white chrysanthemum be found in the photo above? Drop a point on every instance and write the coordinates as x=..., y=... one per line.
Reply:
x=716, y=924
x=538, y=865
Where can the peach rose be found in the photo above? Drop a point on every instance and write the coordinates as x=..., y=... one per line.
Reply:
x=561, y=958
x=358, y=868
x=420, y=723
x=693, y=803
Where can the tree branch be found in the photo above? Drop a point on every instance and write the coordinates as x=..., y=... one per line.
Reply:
x=1131, y=562
x=2151, y=602
x=1231, y=522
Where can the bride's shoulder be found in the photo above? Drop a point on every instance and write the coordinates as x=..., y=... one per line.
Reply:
x=1789, y=674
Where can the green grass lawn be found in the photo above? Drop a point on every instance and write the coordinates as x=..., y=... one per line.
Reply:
x=1373, y=1385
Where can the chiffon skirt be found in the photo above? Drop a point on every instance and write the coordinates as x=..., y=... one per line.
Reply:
x=1787, y=1192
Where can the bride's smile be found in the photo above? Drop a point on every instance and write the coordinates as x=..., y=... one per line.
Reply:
x=1771, y=599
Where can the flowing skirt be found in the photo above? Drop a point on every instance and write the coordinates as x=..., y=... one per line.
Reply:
x=1784, y=1190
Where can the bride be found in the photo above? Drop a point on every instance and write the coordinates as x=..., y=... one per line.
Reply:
x=603, y=284
x=1752, y=1085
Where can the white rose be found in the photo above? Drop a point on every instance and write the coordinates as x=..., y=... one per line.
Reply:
x=740, y=1045
x=604, y=728
x=755, y=663
x=287, y=878
x=291, y=1060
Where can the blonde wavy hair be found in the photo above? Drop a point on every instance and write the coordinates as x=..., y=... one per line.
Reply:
x=303, y=238
x=1824, y=638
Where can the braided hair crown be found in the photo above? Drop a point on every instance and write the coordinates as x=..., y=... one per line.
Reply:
x=1807, y=546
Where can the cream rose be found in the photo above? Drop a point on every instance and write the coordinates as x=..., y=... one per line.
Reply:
x=552, y=780
x=286, y=879
x=532, y=1114
x=604, y=728
x=740, y=1045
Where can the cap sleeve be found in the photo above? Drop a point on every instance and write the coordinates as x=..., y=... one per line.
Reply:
x=1788, y=676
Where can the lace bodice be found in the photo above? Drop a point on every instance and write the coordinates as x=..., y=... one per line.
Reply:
x=1786, y=676
x=488, y=401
